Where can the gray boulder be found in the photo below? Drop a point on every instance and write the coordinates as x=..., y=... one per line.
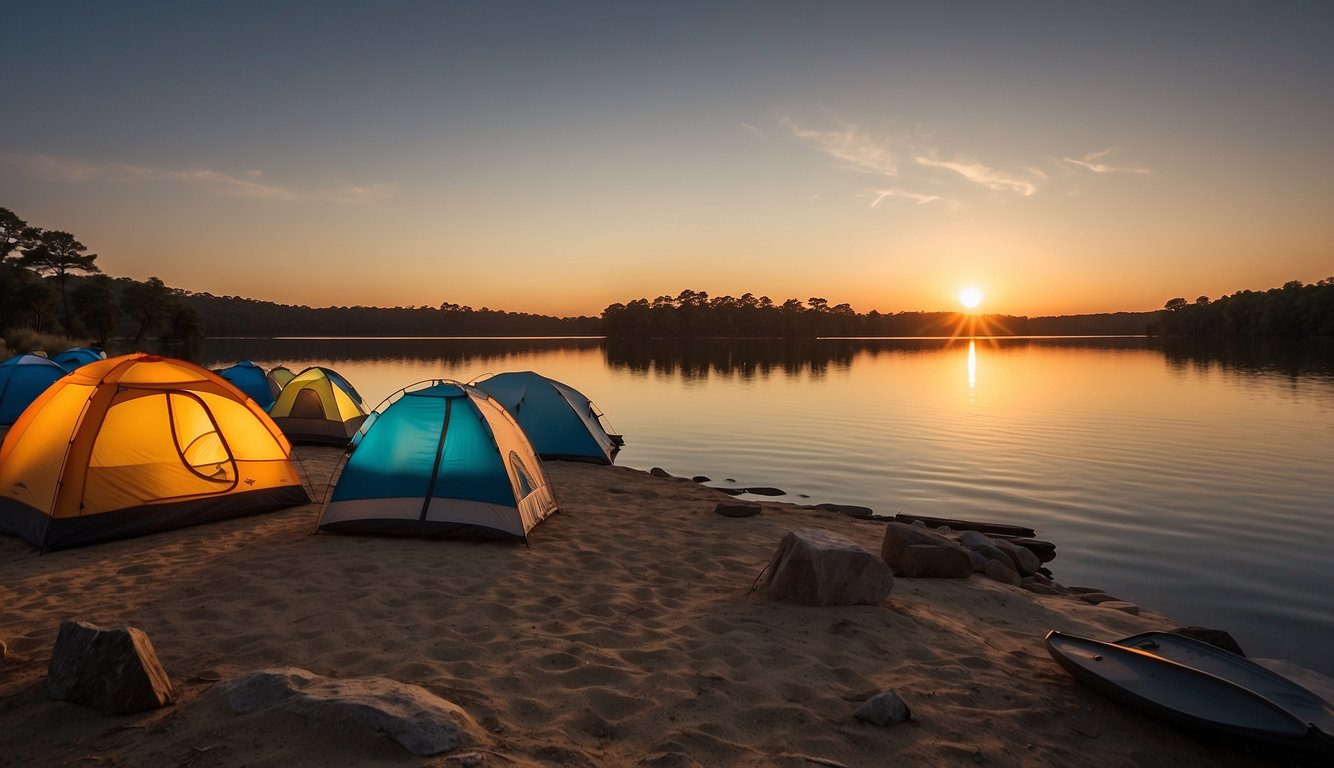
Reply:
x=900, y=536
x=999, y=571
x=931, y=561
x=813, y=567
x=113, y=670
x=1025, y=561
x=885, y=708
x=420, y=721
x=737, y=508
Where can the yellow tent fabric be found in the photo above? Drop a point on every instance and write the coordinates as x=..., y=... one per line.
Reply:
x=319, y=406
x=137, y=444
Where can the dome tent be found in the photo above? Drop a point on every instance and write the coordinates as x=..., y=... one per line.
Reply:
x=23, y=379
x=76, y=357
x=278, y=376
x=444, y=458
x=138, y=444
x=252, y=380
x=318, y=406
x=559, y=420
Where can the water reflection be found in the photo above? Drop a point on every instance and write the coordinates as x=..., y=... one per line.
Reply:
x=972, y=366
x=698, y=359
x=1285, y=357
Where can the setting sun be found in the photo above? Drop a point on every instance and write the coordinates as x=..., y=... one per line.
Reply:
x=970, y=297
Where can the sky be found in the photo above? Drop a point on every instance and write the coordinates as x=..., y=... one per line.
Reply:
x=556, y=157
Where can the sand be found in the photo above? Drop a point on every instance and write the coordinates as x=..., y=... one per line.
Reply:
x=625, y=634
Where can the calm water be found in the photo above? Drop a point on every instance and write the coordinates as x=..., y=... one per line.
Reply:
x=1196, y=481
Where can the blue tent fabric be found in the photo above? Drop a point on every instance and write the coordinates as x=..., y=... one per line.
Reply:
x=444, y=459
x=22, y=379
x=76, y=357
x=559, y=420
x=252, y=380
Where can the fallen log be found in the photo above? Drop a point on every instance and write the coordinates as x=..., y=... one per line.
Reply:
x=968, y=525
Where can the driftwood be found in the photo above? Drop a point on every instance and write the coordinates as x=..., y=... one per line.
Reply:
x=968, y=525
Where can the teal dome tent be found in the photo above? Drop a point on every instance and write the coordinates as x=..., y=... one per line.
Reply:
x=443, y=459
x=559, y=420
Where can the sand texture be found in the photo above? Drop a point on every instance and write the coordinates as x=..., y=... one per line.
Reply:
x=625, y=634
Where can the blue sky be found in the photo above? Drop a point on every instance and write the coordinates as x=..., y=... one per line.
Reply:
x=557, y=157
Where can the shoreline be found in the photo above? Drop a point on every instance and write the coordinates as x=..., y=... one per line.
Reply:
x=624, y=634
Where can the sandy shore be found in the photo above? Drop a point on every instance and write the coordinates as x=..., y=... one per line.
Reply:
x=624, y=635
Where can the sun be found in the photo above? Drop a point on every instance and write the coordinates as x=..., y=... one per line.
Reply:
x=970, y=297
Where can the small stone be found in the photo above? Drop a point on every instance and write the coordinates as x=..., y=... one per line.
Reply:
x=1098, y=598
x=851, y=510
x=764, y=490
x=885, y=708
x=1039, y=588
x=659, y=472
x=737, y=509
x=700, y=479
x=1001, y=572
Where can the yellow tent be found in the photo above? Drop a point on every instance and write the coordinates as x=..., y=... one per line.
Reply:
x=318, y=406
x=138, y=444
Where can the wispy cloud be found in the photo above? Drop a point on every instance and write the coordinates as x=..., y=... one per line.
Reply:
x=854, y=147
x=987, y=176
x=919, y=198
x=753, y=130
x=248, y=184
x=1092, y=162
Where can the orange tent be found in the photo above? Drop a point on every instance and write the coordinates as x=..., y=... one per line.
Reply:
x=138, y=444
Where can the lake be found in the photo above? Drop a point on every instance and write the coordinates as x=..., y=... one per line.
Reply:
x=1197, y=481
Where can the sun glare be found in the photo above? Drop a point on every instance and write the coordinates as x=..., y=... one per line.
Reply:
x=970, y=297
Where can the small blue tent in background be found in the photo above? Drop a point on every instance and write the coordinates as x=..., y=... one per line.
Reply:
x=22, y=379
x=558, y=419
x=441, y=459
x=252, y=380
x=76, y=357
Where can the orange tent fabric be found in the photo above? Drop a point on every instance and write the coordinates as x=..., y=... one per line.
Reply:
x=138, y=444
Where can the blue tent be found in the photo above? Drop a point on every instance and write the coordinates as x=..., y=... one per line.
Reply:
x=22, y=379
x=252, y=380
x=558, y=419
x=76, y=357
x=441, y=459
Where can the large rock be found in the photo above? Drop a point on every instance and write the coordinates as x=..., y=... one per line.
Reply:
x=1025, y=561
x=420, y=721
x=814, y=567
x=114, y=670
x=931, y=561
x=900, y=536
x=737, y=508
x=1001, y=572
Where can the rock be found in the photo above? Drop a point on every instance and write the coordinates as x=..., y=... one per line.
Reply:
x=764, y=490
x=1038, y=588
x=659, y=472
x=1084, y=590
x=851, y=510
x=1098, y=598
x=884, y=708
x=979, y=562
x=900, y=536
x=729, y=491
x=999, y=571
x=417, y=719
x=1214, y=637
x=113, y=670
x=992, y=552
x=1121, y=605
x=931, y=561
x=1025, y=561
x=737, y=509
x=700, y=479
x=813, y=567
x=975, y=539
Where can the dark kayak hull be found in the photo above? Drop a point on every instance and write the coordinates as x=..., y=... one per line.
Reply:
x=1203, y=703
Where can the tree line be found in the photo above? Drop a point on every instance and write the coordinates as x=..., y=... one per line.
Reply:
x=1294, y=309
x=50, y=284
x=694, y=314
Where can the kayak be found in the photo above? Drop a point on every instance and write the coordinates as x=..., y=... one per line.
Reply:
x=1194, y=699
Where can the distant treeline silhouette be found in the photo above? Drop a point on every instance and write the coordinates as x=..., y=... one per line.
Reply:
x=1291, y=310
x=237, y=316
x=693, y=314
